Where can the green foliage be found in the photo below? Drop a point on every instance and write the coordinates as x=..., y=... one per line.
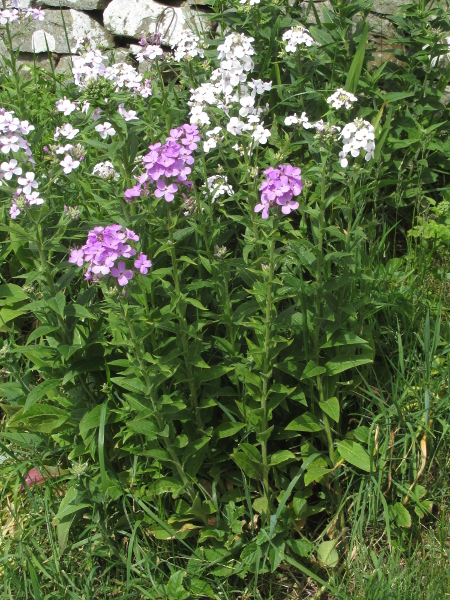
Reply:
x=268, y=382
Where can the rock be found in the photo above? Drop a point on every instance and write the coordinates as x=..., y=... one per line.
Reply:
x=39, y=34
x=64, y=65
x=77, y=4
x=132, y=18
x=387, y=7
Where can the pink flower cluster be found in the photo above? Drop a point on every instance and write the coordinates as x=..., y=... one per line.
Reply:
x=103, y=247
x=167, y=164
x=15, y=13
x=280, y=187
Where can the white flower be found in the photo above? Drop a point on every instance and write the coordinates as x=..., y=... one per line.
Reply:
x=9, y=144
x=235, y=126
x=297, y=36
x=10, y=169
x=69, y=164
x=128, y=115
x=65, y=106
x=292, y=120
x=358, y=136
x=66, y=131
x=247, y=103
x=260, y=134
x=34, y=199
x=105, y=129
x=341, y=98
x=28, y=182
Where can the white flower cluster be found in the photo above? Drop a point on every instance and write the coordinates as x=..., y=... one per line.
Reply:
x=250, y=2
x=230, y=91
x=213, y=138
x=297, y=36
x=341, y=98
x=90, y=65
x=12, y=142
x=358, y=136
x=217, y=185
x=105, y=170
x=188, y=46
x=15, y=13
x=302, y=121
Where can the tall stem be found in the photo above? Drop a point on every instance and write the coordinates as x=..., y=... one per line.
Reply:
x=159, y=419
x=182, y=320
x=266, y=365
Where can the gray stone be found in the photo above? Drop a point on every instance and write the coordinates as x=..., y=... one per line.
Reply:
x=391, y=7
x=50, y=32
x=77, y=4
x=133, y=18
x=64, y=65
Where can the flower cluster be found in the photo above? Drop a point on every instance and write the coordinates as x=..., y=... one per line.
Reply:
x=13, y=142
x=279, y=189
x=302, y=121
x=358, y=137
x=188, y=46
x=106, y=245
x=67, y=131
x=151, y=48
x=15, y=13
x=105, y=170
x=167, y=164
x=89, y=65
x=341, y=98
x=217, y=185
x=297, y=36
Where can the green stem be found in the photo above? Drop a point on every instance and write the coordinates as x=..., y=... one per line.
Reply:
x=181, y=317
x=163, y=95
x=159, y=419
x=266, y=374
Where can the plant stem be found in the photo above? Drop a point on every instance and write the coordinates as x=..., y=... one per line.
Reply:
x=181, y=317
x=266, y=374
x=159, y=419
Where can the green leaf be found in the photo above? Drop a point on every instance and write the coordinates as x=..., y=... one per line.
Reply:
x=327, y=554
x=13, y=293
x=331, y=408
x=316, y=474
x=165, y=485
x=250, y=467
x=132, y=385
x=144, y=427
x=401, y=515
x=39, y=391
x=355, y=454
x=312, y=370
x=228, y=429
x=354, y=72
x=58, y=303
x=305, y=422
x=342, y=363
x=281, y=456
x=344, y=338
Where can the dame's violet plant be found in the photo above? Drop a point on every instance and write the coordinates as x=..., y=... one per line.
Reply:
x=279, y=188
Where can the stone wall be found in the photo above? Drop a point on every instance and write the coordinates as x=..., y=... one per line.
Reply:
x=118, y=24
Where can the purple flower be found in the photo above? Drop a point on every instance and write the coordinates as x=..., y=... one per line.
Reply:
x=122, y=273
x=142, y=263
x=167, y=165
x=104, y=246
x=279, y=188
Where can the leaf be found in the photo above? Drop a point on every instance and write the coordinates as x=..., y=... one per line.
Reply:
x=316, y=474
x=13, y=293
x=331, y=408
x=165, y=485
x=401, y=515
x=281, y=456
x=58, y=303
x=327, y=554
x=144, y=427
x=132, y=385
x=312, y=370
x=305, y=422
x=39, y=391
x=228, y=429
x=354, y=72
x=250, y=467
x=344, y=338
x=342, y=363
x=355, y=454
